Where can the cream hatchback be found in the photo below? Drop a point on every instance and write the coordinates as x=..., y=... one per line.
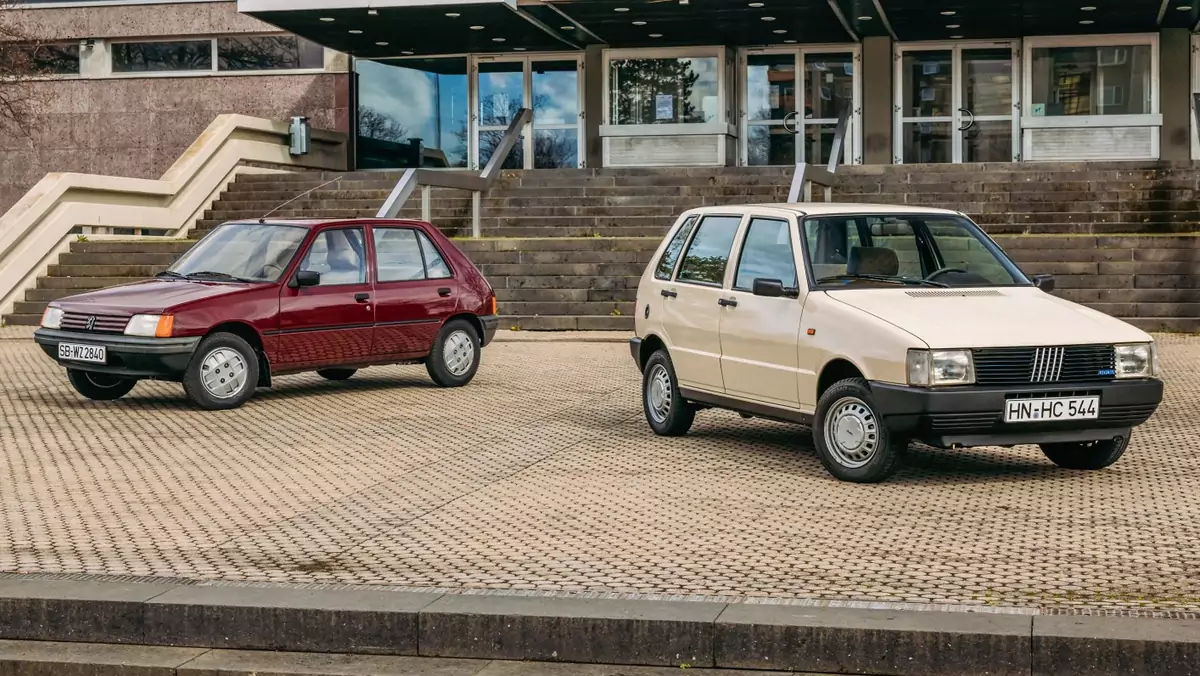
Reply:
x=877, y=325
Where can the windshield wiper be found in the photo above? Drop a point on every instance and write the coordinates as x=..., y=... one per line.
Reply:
x=886, y=278
x=170, y=274
x=223, y=276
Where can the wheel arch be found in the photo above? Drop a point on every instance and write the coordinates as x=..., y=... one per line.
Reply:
x=834, y=370
x=254, y=338
x=651, y=343
x=471, y=319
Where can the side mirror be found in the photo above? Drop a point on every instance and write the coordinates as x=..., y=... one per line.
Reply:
x=1044, y=282
x=770, y=288
x=305, y=278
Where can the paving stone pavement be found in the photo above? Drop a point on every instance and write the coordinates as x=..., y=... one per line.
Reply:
x=542, y=475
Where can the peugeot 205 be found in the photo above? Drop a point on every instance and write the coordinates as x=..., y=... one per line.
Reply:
x=877, y=325
x=255, y=300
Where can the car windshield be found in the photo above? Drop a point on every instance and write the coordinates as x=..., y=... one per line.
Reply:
x=927, y=250
x=242, y=252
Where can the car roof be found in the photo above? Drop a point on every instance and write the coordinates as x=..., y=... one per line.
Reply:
x=318, y=222
x=828, y=209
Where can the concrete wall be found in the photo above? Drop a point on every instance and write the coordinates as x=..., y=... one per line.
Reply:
x=138, y=126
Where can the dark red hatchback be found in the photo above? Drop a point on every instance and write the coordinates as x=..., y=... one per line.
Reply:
x=255, y=300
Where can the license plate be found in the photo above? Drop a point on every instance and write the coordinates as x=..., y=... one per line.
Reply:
x=92, y=353
x=1051, y=408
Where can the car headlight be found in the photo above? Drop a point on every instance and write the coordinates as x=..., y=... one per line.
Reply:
x=150, y=326
x=52, y=318
x=933, y=368
x=1136, y=360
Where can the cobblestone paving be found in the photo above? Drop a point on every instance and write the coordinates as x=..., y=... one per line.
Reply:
x=543, y=475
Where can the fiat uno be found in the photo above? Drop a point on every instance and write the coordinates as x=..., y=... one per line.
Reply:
x=256, y=300
x=877, y=325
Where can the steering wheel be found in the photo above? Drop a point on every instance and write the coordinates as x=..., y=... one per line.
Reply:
x=941, y=271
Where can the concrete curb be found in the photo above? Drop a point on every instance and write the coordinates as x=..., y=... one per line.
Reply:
x=596, y=631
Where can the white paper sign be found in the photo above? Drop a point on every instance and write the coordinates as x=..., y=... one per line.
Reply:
x=664, y=107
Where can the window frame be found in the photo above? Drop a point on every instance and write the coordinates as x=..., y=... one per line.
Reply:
x=46, y=77
x=717, y=52
x=417, y=234
x=745, y=237
x=214, y=69
x=1112, y=41
x=683, y=223
x=441, y=254
x=368, y=272
x=688, y=246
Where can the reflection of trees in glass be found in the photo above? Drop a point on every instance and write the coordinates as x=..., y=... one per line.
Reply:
x=157, y=56
x=555, y=149
x=268, y=52
x=704, y=268
x=380, y=126
x=550, y=149
x=636, y=84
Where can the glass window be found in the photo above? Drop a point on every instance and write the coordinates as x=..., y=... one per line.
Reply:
x=141, y=57
x=339, y=256
x=435, y=266
x=828, y=85
x=268, y=52
x=664, y=91
x=412, y=113
x=708, y=253
x=770, y=86
x=40, y=60
x=928, y=85
x=766, y=254
x=1110, y=80
x=397, y=255
x=249, y=251
x=666, y=264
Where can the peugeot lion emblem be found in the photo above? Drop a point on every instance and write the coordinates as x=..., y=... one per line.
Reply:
x=91, y=323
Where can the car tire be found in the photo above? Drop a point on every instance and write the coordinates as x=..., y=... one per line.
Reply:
x=337, y=374
x=455, y=356
x=100, y=386
x=851, y=439
x=1086, y=454
x=668, y=413
x=222, y=374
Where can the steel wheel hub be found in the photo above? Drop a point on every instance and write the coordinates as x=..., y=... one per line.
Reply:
x=658, y=393
x=851, y=432
x=223, y=373
x=458, y=353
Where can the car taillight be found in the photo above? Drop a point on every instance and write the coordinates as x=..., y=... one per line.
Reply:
x=493, y=305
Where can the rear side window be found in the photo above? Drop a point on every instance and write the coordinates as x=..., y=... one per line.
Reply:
x=435, y=267
x=708, y=254
x=666, y=264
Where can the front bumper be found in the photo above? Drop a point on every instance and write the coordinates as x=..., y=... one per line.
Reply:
x=490, y=324
x=974, y=415
x=129, y=356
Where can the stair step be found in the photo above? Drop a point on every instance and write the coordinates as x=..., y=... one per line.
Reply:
x=566, y=323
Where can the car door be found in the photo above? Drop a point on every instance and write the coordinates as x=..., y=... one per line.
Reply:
x=760, y=333
x=333, y=322
x=693, y=301
x=415, y=291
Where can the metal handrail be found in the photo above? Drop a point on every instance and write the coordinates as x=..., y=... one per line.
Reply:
x=806, y=175
x=478, y=185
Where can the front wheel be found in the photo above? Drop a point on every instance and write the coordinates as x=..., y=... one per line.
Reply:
x=852, y=440
x=666, y=410
x=1086, y=454
x=223, y=372
x=455, y=356
x=100, y=386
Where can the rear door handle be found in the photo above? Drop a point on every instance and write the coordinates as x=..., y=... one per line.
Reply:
x=444, y=291
x=362, y=297
x=668, y=294
x=726, y=302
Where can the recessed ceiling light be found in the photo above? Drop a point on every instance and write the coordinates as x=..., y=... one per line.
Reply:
x=373, y=12
x=1089, y=8
x=407, y=52
x=956, y=37
x=780, y=31
x=497, y=39
x=953, y=25
x=453, y=15
x=327, y=18
x=355, y=31
x=756, y=4
x=865, y=18
x=790, y=42
x=518, y=49
x=656, y=35
x=949, y=12
x=476, y=28
x=567, y=28
x=1184, y=8
x=382, y=44
x=639, y=23
x=768, y=18
x=620, y=9
x=1087, y=22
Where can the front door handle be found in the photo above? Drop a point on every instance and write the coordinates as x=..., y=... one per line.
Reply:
x=444, y=291
x=668, y=294
x=362, y=297
x=726, y=302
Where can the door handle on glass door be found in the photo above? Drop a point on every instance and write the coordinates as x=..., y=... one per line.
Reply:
x=726, y=302
x=668, y=294
x=362, y=297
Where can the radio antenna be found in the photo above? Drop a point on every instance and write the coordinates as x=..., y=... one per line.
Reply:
x=263, y=219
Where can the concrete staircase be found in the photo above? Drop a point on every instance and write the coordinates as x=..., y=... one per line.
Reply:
x=565, y=248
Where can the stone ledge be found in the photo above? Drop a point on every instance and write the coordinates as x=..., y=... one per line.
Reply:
x=756, y=636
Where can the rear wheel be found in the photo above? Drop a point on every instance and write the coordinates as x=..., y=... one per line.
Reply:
x=337, y=374
x=455, y=356
x=851, y=439
x=666, y=410
x=223, y=372
x=1086, y=454
x=100, y=386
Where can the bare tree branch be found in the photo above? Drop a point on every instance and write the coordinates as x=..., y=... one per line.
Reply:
x=23, y=58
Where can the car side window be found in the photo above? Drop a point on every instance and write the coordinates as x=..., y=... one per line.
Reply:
x=339, y=256
x=435, y=266
x=666, y=264
x=766, y=254
x=708, y=254
x=398, y=255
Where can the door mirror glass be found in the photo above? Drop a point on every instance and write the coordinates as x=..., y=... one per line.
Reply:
x=770, y=288
x=1044, y=282
x=306, y=278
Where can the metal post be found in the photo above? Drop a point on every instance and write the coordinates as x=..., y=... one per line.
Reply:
x=839, y=138
x=476, y=211
x=797, y=189
x=427, y=203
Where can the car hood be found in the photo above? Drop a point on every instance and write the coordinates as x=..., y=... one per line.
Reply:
x=990, y=317
x=154, y=295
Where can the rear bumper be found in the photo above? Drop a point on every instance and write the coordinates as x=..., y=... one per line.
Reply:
x=490, y=324
x=129, y=356
x=974, y=416
x=635, y=349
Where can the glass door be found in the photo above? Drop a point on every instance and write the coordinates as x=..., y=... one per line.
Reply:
x=551, y=87
x=790, y=104
x=956, y=103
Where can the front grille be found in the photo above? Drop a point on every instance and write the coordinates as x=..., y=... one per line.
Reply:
x=79, y=321
x=1061, y=364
